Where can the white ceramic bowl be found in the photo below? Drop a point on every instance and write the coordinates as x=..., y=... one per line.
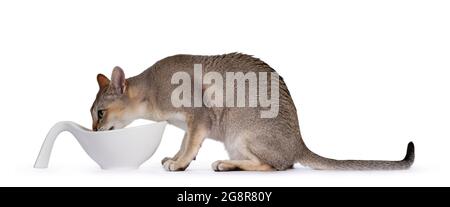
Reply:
x=124, y=148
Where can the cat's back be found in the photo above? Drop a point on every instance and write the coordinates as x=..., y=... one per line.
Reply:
x=231, y=62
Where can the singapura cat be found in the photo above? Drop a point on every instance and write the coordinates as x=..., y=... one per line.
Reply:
x=253, y=143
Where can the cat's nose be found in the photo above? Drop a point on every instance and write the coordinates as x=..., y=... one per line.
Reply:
x=95, y=127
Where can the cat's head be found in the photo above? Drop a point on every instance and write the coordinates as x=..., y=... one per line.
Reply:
x=112, y=108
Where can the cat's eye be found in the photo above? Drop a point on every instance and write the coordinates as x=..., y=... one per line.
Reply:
x=100, y=114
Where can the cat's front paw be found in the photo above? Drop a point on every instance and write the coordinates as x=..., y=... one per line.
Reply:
x=165, y=160
x=171, y=165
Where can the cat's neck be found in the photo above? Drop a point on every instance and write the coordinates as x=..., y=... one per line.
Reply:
x=135, y=87
x=140, y=94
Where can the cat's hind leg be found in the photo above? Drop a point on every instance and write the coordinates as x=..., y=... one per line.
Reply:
x=248, y=165
x=241, y=159
x=262, y=152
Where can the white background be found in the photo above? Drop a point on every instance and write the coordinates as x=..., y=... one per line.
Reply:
x=366, y=77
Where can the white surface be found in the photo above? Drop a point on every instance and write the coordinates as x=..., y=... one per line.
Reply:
x=124, y=148
x=366, y=77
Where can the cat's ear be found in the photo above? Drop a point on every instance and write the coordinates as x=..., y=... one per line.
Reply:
x=118, y=81
x=102, y=80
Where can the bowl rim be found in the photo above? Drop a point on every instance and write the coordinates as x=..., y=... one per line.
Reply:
x=122, y=129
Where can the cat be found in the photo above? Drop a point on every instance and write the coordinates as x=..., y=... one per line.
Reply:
x=253, y=143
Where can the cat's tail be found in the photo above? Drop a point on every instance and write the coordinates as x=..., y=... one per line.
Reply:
x=313, y=160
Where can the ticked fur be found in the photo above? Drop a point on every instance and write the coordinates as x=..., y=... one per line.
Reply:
x=252, y=142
